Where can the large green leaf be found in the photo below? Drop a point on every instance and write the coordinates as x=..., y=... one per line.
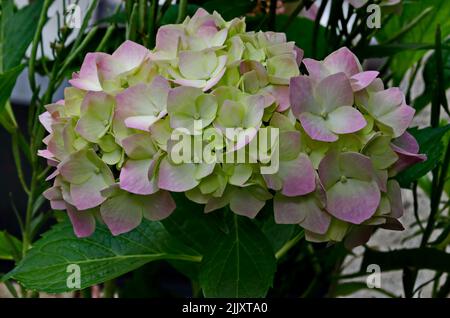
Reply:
x=301, y=32
x=9, y=246
x=276, y=234
x=18, y=32
x=194, y=228
x=430, y=141
x=241, y=265
x=429, y=78
x=422, y=32
x=230, y=9
x=7, y=82
x=101, y=257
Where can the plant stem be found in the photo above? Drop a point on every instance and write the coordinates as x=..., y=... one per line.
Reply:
x=152, y=24
x=320, y=12
x=132, y=26
x=288, y=245
x=182, y=9
x=36, y=40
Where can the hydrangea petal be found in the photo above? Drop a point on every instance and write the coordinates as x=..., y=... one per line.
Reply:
x=332, y=92
x=345, y=120
x=83, y=221
x=304, y=210
x=121, y=213
x=87, y=195
x=363, y=80
x=130, y=54
x=134, y=177
x=316, y=127
x=343, y=60
x=298, y=176
x=353, y=201
x=177, y=178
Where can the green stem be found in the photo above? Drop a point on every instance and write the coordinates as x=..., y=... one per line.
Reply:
x=132, y=25
x=36, y=40
x=152, y=24
x=182, y=9
x=18, y=161
x=77, y=51
x=288, y=245
x=28, y=216
x=320, y=12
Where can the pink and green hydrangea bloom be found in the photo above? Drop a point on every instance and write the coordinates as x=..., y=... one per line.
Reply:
x=342, y=135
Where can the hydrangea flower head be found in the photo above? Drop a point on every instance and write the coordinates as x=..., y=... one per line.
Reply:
x=333, y=138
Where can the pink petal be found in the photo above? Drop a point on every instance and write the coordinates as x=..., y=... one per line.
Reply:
x=345, y=120
x=353, y=201
x=407, y=142
x=243, y=203
x=316, y=127
x=298, y=176
x=83, y=221
x=177, y=178
x=334, y=91
x=87, y=79
x=130, y=54
x=88, y=195
x=399, y=119
x=317, y=71
x=134, y=177
x=301, y=95
x=46, y=120
x=121, y=214
x=343, y=60
x=304, y=210
x=158, y=206
x=362, y=80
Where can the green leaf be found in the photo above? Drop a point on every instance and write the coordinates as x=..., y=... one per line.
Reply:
x=423, y=258
x=7, y=82
x=241, y=265
x=429, y=78
x=101, y=257
x=190, y=225
x=170, y=16
x=230, y=9
x=422, y=32
x=18, y=33
x=385, y=50
x=301, y=32
x=9, y=245
x=430, y=142
x=276, y=234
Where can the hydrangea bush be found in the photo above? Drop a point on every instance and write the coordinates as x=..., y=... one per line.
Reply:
x=342, y=134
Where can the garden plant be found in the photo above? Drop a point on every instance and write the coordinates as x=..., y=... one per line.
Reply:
x=231, y=148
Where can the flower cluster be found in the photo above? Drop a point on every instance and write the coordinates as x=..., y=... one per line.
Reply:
x=341, y=135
